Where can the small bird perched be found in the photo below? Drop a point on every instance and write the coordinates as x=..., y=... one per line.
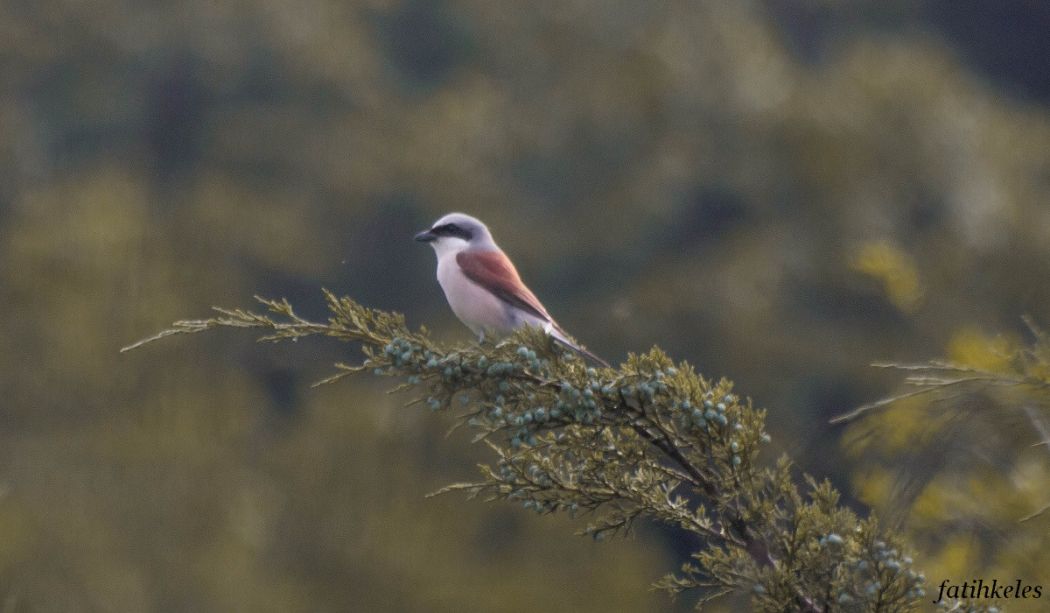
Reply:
x=481, y=284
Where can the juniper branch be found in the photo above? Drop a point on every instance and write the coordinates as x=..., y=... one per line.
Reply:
x=650, y=439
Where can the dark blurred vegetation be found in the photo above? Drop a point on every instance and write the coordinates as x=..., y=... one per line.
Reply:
x=780, y=192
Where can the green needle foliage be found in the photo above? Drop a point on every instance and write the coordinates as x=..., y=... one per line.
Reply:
x=963, y=448
x=1024, y=370
x=651, y=439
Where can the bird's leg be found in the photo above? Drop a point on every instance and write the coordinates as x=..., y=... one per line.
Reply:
x=481, y=337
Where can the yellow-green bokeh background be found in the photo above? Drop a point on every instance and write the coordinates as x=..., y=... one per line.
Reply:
x=778, y=192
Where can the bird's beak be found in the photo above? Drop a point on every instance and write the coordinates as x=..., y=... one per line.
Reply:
x=426, y=236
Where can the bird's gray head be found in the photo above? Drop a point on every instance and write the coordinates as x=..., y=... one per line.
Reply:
x=455, y=232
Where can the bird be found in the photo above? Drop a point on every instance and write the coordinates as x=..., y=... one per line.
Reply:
x=482, y=285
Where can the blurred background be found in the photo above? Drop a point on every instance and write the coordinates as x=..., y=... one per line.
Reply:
x=780, y=192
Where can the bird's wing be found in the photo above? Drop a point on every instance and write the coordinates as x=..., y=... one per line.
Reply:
x=494, y=272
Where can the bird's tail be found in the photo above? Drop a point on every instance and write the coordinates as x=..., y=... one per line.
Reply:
x=559, y=335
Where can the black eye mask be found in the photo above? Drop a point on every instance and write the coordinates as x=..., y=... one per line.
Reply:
x=451, y=229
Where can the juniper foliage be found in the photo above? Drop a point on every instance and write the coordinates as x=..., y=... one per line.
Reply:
x=651, y=439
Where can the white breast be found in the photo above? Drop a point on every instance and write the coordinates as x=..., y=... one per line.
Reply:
x=475, y=306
